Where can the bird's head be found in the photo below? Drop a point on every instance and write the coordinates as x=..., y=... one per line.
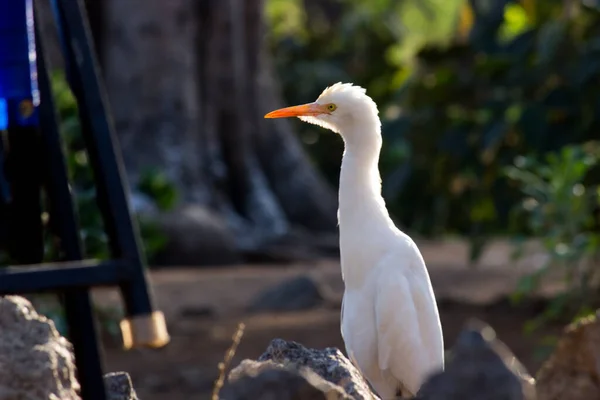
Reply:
x=342, y=108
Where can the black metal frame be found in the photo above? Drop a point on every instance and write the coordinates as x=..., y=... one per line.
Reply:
x=40, y=151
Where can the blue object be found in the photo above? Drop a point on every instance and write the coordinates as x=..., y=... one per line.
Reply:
x=3, y=114
x=18, y=72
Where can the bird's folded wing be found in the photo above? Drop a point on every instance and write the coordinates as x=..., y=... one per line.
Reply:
x=400, y=341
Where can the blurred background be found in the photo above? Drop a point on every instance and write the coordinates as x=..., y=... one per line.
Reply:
x=490, y=113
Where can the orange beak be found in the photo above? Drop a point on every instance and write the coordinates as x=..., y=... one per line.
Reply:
x=310, y=109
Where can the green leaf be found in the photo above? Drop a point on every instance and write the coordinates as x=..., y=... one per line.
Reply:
x=157, y=186
x=515, y=23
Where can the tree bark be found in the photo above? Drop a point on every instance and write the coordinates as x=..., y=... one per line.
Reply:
x=189, y=82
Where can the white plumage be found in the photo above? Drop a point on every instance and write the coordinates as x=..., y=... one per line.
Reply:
x=390, y=321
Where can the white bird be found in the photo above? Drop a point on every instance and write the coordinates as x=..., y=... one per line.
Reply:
x=389, y=318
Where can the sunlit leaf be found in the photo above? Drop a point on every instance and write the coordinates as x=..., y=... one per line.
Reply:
x=483, y=211
x=515, y=23
x=427, y=22
x=286, y=17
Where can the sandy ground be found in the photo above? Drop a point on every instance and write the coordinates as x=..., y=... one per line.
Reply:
x=204, y=306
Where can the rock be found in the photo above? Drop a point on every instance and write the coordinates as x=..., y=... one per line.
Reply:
x=298, y=293
x=119, y=386
x=328, y=363
x=480, y=367
x=296, y=245
x=36, y=362
x=267, y=380
x=572, y=372
x=196, y=237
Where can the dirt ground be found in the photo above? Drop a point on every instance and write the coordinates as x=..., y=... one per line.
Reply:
x=204, y=306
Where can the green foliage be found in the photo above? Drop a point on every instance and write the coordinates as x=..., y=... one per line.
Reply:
x=559, y=208
x=337, y=40
x=473, y=108
x=156, y=185
x=455, y=110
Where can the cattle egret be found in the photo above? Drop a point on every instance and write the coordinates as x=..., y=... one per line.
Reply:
x=390, y=321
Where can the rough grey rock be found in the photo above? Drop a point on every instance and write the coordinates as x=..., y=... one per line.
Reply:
x=267, y=380
x=328, y=363
x=35, y=361
x=298, y=293
x=119, y=386
x=572, y=372
x=479, y=368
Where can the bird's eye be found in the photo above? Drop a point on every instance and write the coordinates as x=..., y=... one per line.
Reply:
x=331, y=107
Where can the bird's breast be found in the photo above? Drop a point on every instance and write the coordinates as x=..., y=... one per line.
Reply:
x=361, y=250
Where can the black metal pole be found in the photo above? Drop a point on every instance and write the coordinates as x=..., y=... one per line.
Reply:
x=23, y=170
x=102, y=145
x=77, y=303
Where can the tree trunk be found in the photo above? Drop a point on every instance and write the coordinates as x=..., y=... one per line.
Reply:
x=189, y=83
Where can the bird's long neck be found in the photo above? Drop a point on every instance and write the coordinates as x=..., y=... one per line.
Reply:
x=360, y=182
x=363, y=219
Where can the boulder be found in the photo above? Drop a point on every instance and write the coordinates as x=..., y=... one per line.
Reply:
x=36, y=362
x=298, y=293
x=267, y=380
x=328, y=363
x=196, y=237
x=480, y=367
x=572, y=372
x=119, y=386
x=325, y=373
